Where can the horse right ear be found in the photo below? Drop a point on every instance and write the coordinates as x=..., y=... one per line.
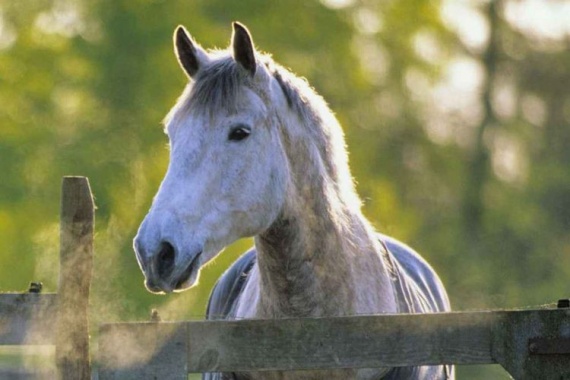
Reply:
x=190, y=55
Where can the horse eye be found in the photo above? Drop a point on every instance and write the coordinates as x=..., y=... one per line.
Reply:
x=239, y=133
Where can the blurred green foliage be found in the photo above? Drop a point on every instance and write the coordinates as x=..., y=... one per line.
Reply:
x=475, y=177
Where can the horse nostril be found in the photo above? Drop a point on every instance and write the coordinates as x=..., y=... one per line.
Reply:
x=165, y=260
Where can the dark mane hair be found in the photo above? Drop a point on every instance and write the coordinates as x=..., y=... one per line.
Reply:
x=218, y=84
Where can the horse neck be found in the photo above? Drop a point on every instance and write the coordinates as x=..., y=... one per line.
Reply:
x=317, y=250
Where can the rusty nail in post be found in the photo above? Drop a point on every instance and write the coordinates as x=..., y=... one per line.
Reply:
x=154, y=316
x=35, y=287
x=563, y=303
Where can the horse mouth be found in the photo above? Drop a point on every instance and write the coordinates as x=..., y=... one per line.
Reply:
x=187, y=273
x=152, y=287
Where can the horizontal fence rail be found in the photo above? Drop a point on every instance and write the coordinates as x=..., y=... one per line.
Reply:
x=508, y=338
x=27, y=318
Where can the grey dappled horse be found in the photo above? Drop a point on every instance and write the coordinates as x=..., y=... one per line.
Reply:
x=254, y=151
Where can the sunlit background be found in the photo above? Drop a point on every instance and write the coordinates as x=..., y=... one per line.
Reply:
x=457, y=117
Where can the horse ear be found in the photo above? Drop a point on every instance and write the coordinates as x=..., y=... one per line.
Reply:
x=243, y=50
x=190, y=55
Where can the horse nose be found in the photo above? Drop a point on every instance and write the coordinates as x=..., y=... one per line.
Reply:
x=164, y=260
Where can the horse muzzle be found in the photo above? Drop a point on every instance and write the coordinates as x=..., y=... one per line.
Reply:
x=167, y=270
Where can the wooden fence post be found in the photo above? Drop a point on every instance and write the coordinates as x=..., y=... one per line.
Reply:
x=76, y=262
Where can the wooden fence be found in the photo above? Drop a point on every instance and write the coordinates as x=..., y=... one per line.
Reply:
x=59, y=319
x=529, y=344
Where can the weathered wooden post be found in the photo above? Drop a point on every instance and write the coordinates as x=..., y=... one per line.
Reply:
x=76, y=262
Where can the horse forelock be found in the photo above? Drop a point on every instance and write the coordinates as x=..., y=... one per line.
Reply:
x=217, y=87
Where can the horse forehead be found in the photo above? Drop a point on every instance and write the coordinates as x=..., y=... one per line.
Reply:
x=248, y=103
x=252, y=102
x=250, y=108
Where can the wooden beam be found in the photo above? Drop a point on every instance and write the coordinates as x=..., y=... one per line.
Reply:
x=487, y=337
x=513, y=341
x=484, y=337
x=76, y=262
x=135, y=351
x=26, y=374
x=27, y=318
x=345, y=342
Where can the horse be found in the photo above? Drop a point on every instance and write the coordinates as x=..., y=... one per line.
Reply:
x=256, y=152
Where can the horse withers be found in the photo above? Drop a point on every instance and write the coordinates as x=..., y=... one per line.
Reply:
x=255, y=152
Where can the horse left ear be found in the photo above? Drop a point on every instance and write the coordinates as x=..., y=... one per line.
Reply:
x=190, y=55
x=243, y=50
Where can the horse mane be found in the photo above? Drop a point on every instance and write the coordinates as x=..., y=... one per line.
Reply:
x=320, y=123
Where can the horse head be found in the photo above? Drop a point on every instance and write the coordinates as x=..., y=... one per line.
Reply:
x=227, y=176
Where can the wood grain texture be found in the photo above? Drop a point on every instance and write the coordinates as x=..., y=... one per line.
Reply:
x=76, y=262
x=347, y=342
x=520, y=329
x=484, y=337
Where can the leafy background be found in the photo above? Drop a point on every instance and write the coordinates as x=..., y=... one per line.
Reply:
x=456, y=112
